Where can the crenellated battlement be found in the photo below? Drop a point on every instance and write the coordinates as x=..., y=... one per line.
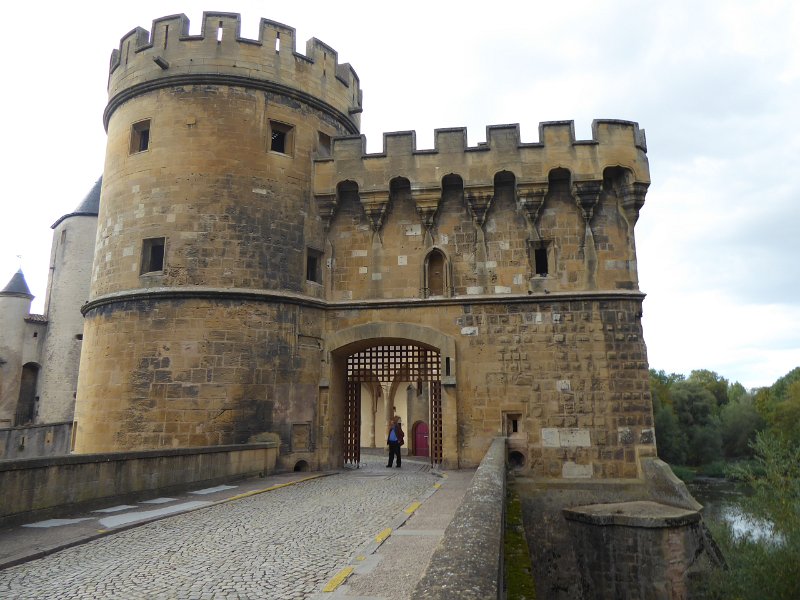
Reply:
x=168, y=55
x=614, y=143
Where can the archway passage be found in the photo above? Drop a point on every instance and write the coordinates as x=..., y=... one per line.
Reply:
x=387, y=365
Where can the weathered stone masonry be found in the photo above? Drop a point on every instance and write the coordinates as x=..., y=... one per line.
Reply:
x=247, y=245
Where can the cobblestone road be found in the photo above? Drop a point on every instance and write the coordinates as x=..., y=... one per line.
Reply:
x=281, y=544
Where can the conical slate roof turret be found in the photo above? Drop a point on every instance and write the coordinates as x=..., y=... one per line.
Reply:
x=89, y=206
x=17, y=286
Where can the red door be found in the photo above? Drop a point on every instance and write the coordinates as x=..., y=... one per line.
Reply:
x=421, y=439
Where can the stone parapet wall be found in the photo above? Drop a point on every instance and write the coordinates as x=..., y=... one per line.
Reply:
x=468, y=562
x=614, y=143
x=34, y=441
x=37, y=488
x=168, y=55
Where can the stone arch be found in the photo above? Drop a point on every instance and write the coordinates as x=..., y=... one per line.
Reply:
x=437, y=277
x=559, y=180
x=453, y=184
x=362, y=336
x=343, y=344
x=505, y=188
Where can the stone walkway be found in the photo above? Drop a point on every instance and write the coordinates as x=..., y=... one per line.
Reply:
x=286, y=543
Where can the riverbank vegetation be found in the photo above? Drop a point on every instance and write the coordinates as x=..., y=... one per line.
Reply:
x=707, y=426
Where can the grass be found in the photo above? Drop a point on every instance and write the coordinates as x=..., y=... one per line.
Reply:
x=685, y=474
x=517, y=560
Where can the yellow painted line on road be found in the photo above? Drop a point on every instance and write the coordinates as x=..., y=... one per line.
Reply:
x=338, y=579
x=383, y=535
x=414, y=506
x=437, y=485
x=361, y=557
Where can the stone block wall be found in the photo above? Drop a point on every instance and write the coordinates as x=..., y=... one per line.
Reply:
x=37, y=488
x=195, y=373
x=638, y=550
x=575, y=371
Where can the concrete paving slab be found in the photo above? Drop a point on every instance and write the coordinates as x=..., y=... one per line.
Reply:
x=391, y=569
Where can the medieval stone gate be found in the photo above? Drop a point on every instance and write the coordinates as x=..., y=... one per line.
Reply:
x=384, y=365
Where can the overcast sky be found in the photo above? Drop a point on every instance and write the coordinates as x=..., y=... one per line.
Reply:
x=716, y=86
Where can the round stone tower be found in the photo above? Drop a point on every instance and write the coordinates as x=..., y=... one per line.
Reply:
x=67, y=290
x=204, y=306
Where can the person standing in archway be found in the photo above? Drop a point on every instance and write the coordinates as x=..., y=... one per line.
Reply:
x=395, y=439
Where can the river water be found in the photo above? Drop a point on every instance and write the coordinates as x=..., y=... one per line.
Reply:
x=722, y=501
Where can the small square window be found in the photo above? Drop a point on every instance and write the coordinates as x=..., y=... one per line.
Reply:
x=281, y=138
x=152, y=255
x=324, y=145
x=140, y=136
x=313, y=265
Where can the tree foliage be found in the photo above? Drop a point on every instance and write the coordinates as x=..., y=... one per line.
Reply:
x=740, y=422
x=714, y=383
x=765, y=568
x=704, y=418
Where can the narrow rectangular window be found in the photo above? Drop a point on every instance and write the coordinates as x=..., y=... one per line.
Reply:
x=281, y=138
x=540, y=257
x=324, y=146
x=152, y=255
x=313, y=265
x=140, y=136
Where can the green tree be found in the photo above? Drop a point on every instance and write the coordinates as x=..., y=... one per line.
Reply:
x=737, y=392
x=714, y=383
x=739, y=423
x=661, y=385
x=696, y=409
x=671, y=441
x=766, y=567
x=785, y=418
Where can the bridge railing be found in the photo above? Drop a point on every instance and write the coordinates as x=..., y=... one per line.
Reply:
x=39, y=488
x=468, y=563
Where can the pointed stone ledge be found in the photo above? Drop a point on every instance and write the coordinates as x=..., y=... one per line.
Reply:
x=479, y=200
x=531, y=198
x=587, y=194
x=427, y=203
x=375, y=205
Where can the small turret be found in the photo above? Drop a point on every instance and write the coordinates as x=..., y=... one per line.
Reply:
x=17, y=287
x=88, y=207
x=15, y=305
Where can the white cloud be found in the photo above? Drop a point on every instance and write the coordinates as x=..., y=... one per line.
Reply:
x=715, y=84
